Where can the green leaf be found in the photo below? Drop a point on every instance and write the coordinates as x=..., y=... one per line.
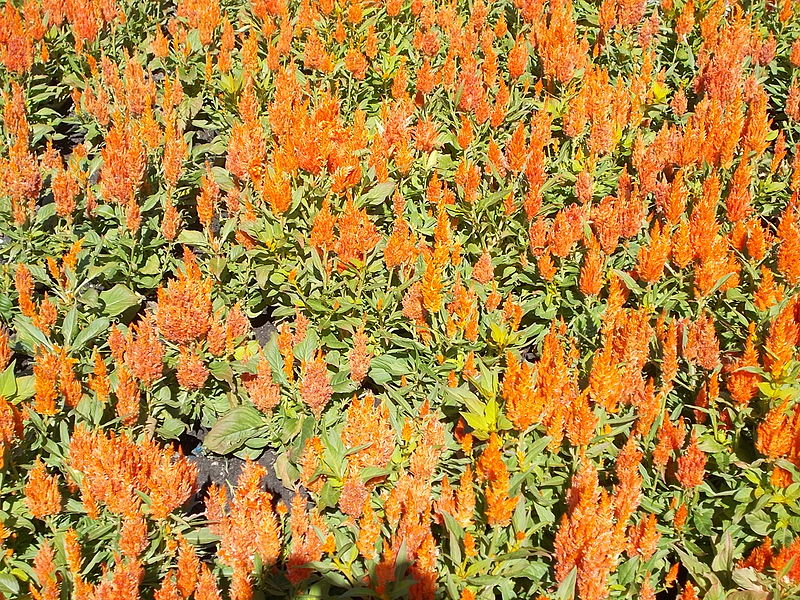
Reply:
x=119, y=299
x=26, y=387
x=230, y=432
x=8, y=382
x=192, y=238
x=379, y=193
x=70, y=324
x=305, y=350
x=94, y=329
x=566, y=591
x=9, y=584
x=29, y=335
x=462, y=396
x=723, y=561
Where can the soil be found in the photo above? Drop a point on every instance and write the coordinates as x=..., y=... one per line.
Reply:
x=263, y=327
x=225, y=470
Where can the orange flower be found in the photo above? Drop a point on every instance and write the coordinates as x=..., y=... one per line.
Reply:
x=5, y=349
x=264, y=393
x=743, y=385
x=483, y=272
x=133, y=538
x=775, y=435
x=144, y=353
x=760, y=558
x=206, y=585
x=591, y=273
x=188, y=568
x=45, y=373
x=584, y=538
x=791, y=552
x=702, y=346
x=23, y=281
x=171, y=222
x=114, y=467
x=781, y=343
x=184, y=307
x=192, y=372
x=491, y=468
x=246, y=523
x=41, y=492
x=321, y=236
x=315, y=388
x=124, y=161
x=369, y=532
x=208, y=198
x=45, y=570
x=692, y=465
x=359, y=356
x=400, y=246
x=653, y=258
x=308, y=536
x=643, y=538
x=368, y=428
x=128, y=396
x=357, y=234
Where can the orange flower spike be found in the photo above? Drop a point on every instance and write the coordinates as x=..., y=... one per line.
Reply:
x=42, y=495
x=584, y=536
x=369, y=532
x=628, y=490
x=175, y=149
x=315, y=387
x=359, y=357
x=781, y=343
x=790, y=552
x=133, y=536
x=6, y=353
x=184, y=306
x=124, y=162
x=23, y=281
x=207, y=585
x=768, y=293
x=188, y=568
x=760, y=558
x=582, y=421
x=653, y=258
x=72, y=552
x=775, y=435
x=591, y=273
x=191, y=371
x=743, y=385
x=45, y=373
x=691, y=465
x=286, y=347
x=669, y=361
x=46, y=316
x=45, y=570
x=144, y=353
x=672, y=574
x=483, y=272
x=322, y=237
x=68, y=384
x=128, y=396
x=264, y=393
x=789, y=245
x=702, y=345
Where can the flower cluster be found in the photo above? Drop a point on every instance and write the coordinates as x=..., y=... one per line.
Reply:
x=399, y=298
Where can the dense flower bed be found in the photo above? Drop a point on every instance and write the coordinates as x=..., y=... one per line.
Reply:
x=387, y=299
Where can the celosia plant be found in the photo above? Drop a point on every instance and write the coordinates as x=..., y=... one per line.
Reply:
x=487, y=299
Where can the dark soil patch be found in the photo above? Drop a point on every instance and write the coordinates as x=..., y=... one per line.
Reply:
x=263, y=327
x=225, y=470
